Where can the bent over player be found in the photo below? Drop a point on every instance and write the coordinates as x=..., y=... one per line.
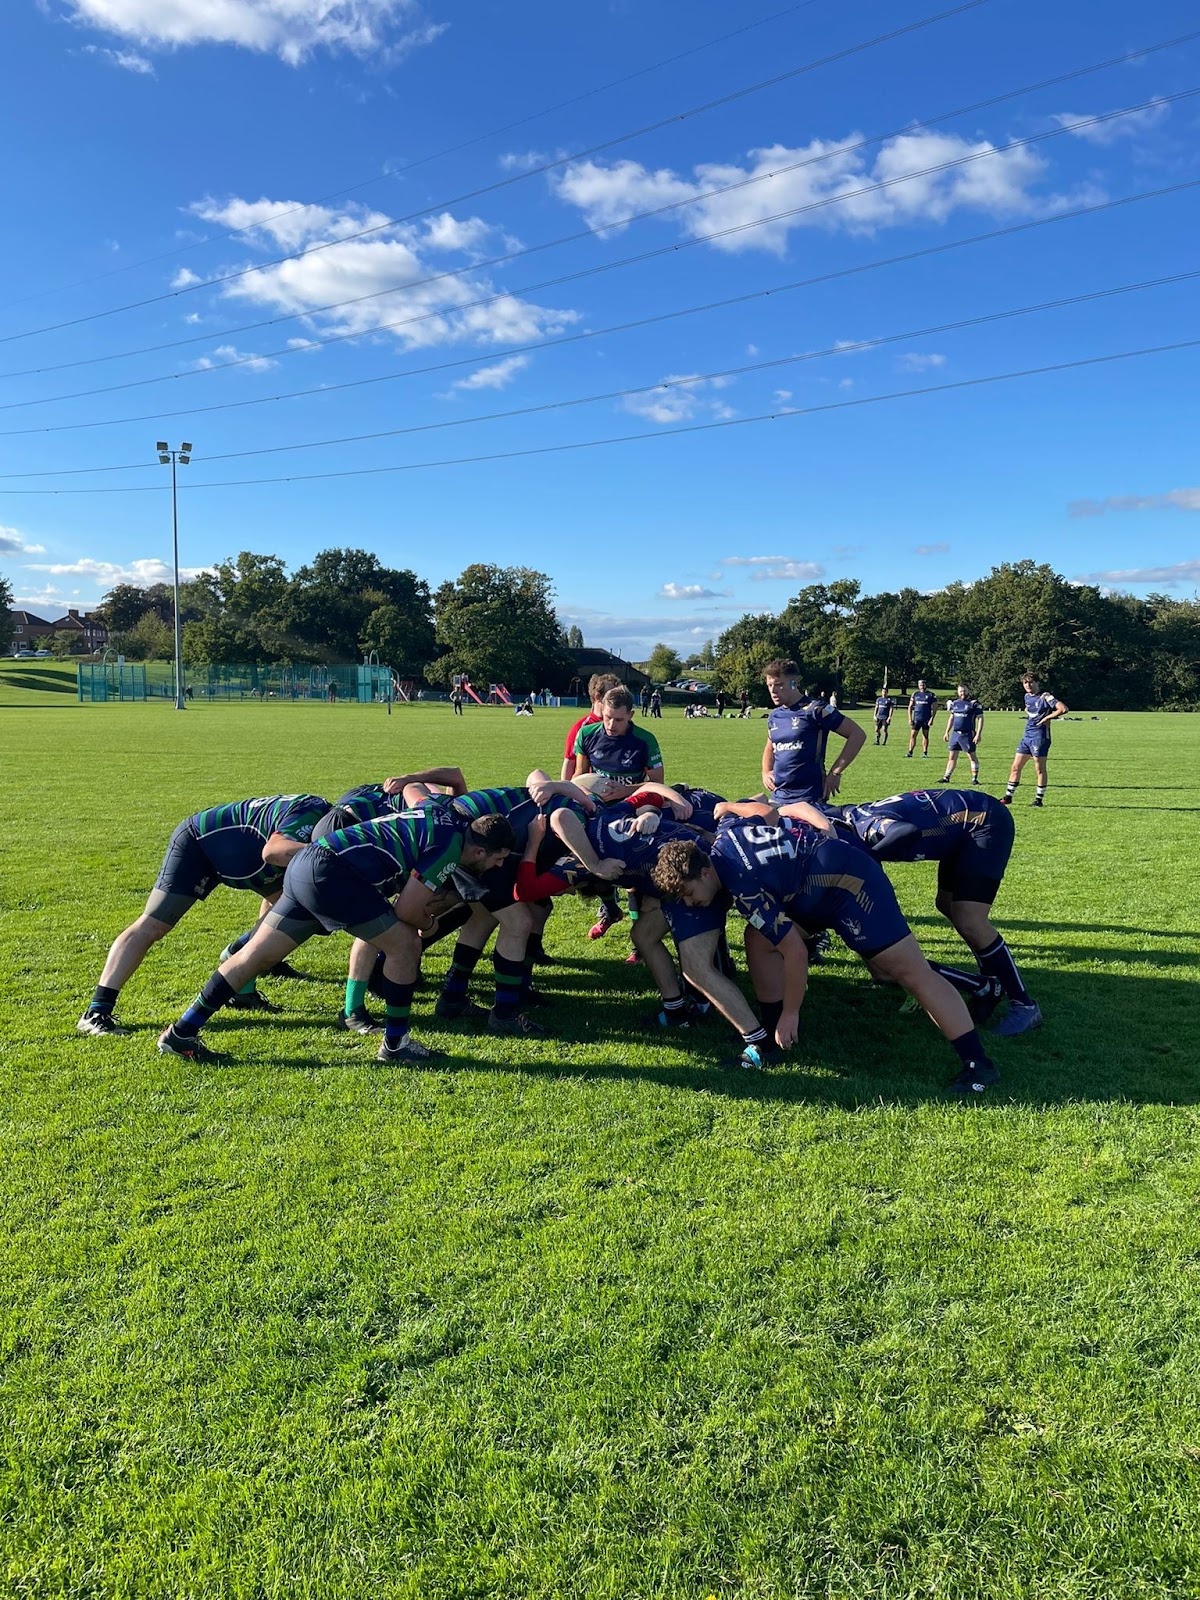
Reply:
x=1040, y=711
x=244, y=845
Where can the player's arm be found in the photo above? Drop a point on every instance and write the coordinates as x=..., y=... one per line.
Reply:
x=412, y=904
x=978, y=734
x=543, y=788
x=795, y=984
x=654, y=760
x=813, y=815
x=441, y=777
x=747, y=808
x=855, y=738
x=1060, y=710
x=658, y=795
x=280, y=848
x=949, y=721
x=532, y=885
x=768, y=767
x=912, y=699
x=573, y=834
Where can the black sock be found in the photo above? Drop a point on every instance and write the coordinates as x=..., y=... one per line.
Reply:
x=509, y=977
x=970, y=1051
x=610, y=904
x=397, y=1003
x=964, y=982
x=771, y=1010
x=103, y=999
x=462, y=965
x=997, y=962
x=446, y=923
x=1040, y=792
x=756, y=1038
x=215, y=994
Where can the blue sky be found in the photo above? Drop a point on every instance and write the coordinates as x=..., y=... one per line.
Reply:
x=153, y=145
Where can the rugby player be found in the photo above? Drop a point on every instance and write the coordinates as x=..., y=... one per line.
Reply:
x=344, y=882
x=245, y=845
x=884, y=706
x=598, y=686
x=1041, y=709
x=791, y=880
x=793, y=763
x=964, y=732
x=920, y=716
x=614, y=747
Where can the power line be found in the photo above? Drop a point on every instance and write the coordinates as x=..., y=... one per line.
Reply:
x=814, y=205
x=518, y=177
x=664, y=433
x=839, y=152
x=421, y=161
x=693, y=380
x=625, y=327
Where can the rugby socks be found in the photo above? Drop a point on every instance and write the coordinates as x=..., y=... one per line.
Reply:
x=397, y=1003
x=104, y=999
x=356, y=995
x=997, y=962
x=510, y=980
x=969, y=1049
x=674, y=1012
x=964, y=982
x=215, y=994
x=757, y=1040
x=1040, y=793
x=462, y=964
x=771, y=1010
x=610, y=905
x=232, y=949
x=1010, y=788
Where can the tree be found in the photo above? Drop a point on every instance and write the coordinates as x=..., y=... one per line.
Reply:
x=663, y=664
x=402, y=634
x=122, y=607
x=69, y=644
x=574, y=638
x=498, y=625
x=6, y=621
x=329, y=600
x=149, y=640
x=744, y=649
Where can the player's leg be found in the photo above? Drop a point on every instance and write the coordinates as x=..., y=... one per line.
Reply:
x=974, y=760
x=1014, y=776
x=699, y=958
x=185, y=877
x=904, y=963
x=354, y=1016
x=513, y=967
x=925, y=740
x=951, y=763
x=473, y=935
x=912, y=737
x=267, y=945
x=1039, y=767
x=648, y=936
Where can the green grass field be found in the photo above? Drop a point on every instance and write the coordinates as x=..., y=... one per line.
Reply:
x=590, y=1317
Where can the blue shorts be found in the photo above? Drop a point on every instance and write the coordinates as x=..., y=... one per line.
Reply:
x=849, y=892
x=921, y=727
x=689, y=922
x=321, y=894
x=813, y=792
x=185, y=877
x=963, y=742
x=1035, y=744
x=975, y=870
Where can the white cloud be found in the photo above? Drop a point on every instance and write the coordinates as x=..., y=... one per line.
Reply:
x=1130, y=125
x=1000, y=183
x=691, y=591
x=791, y=572
x=913, y=361
x=845, y=383
x=289, y=29
x=192, y=318
x=12, y=543
x=750, y=561
x=184, y=279
x=633, y=637
x=1167, y=577
x=783, y=394
x=938, y=549
x=225, y=353
x=436, y=308
x=522, y=160
x=128, y=60
x=107, y=573
x=1173, y=500
x=498, y=376
x=683, y=397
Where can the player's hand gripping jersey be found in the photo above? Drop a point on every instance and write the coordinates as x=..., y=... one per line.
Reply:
x=798, y=735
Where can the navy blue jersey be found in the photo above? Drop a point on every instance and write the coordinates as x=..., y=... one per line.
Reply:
x=233, y=836
x=702, y=802
x=1037, y=707
x=963, y=715
x=426, y=844
x=884, y=706
x=613, y=835
x=925, y=825
x=631, y=754
x=798, y=734
x=368, y=801
x=921, y=705
x=781, y=877
x=513, y=803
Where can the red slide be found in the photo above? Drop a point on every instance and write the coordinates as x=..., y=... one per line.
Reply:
x=502, y=693
x=467, y=689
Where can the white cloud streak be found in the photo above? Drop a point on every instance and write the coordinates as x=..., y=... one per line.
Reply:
x=1167, y=577
x=105, y=574
x=691, y=591
x=1133, y=125
x=498, y=376
x=1173, y=500
x=13, y=543
x=939, y=549
x=687, y=397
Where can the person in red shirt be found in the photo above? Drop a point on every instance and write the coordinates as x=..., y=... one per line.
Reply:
x=598, y=687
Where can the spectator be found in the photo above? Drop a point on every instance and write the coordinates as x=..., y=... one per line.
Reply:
x=645, y=698
x=656, y=704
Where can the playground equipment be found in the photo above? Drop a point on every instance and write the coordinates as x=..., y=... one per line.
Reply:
x=498, y=695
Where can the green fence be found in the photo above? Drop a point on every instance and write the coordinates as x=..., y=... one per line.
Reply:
x=342, y=683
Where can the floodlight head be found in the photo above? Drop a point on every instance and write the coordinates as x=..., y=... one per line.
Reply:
x=164, y=459
x=162, y=447
x=185, y=449
x=183, y=460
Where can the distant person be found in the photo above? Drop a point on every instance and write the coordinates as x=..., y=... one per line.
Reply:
x=331, y=692
x=546, y=697
x=525, y=709
x=645, y=699
x=744, y=699
x=833, y=700
x=1040, y=711
x=884, y=707
x=656, y=705
x=720, y=704
x=456, y=699
x=964, y=731
x=920, y=717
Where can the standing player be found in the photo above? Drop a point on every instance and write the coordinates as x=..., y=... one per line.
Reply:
x=884, y=706
x=598, y=686
x=920, y=717
x=245, y=845
x=615, y=748
x=1041, y=709
x=345, y=882
x=964, y=731
x=793, y=763
x=793, y=880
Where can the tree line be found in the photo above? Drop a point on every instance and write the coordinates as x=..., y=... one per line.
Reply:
x=1096, y=649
